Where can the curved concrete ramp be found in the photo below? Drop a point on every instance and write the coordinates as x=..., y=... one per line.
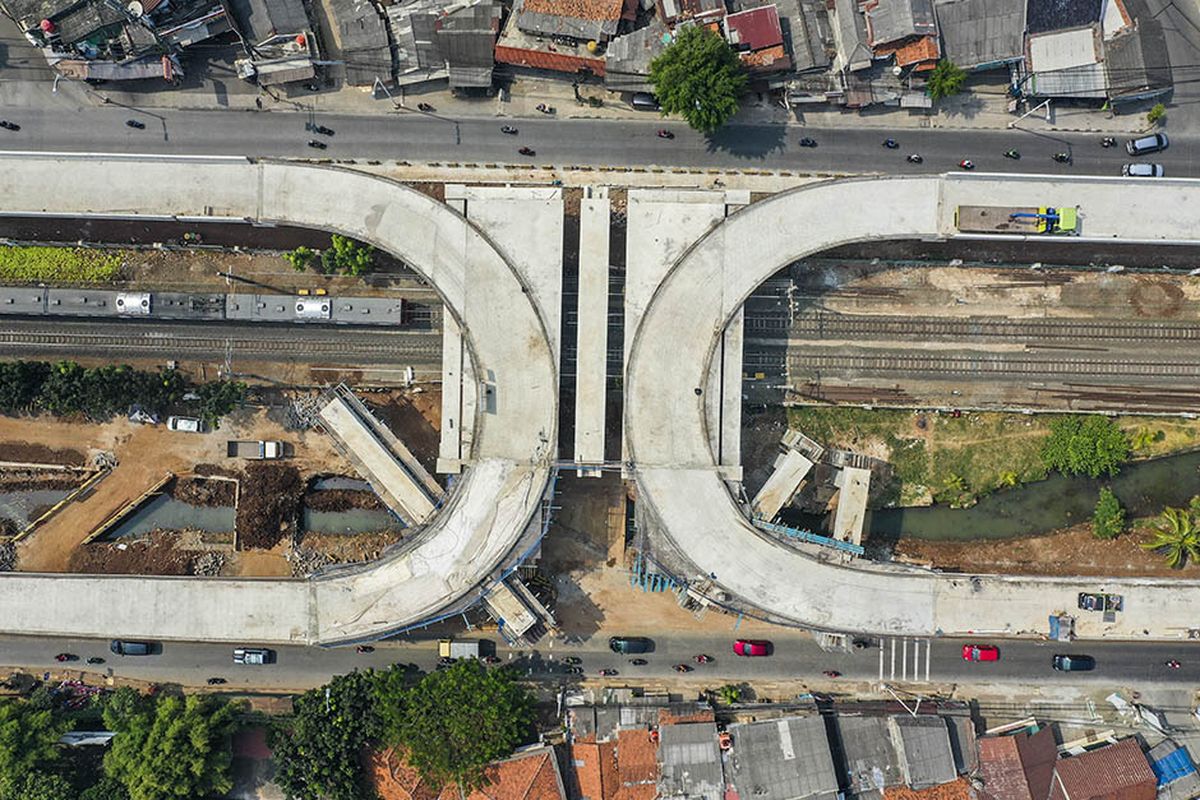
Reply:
x=665, y=419
x=493, y=500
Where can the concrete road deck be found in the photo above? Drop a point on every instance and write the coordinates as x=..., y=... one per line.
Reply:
x=676, y=468
x=505, y=335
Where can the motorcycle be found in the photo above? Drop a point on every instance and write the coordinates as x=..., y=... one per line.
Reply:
x=638, y=662
x=831, y=673
x=1062, y=158
x=428, y=109
x=66, y=657
x=133, y=123
x=890, y=144
x=95, y=660
x=665, y=134
x=364, y=648
x=313, y=143
x=966, y=164
x=9, y=126
x=509, y=129
x=572, y=660
x=491, y=659
x=216, y=681
x=1173, y=664
x=527, y=151
x=682, y=668
x=1013, y=154
x=545, y=109
x=574, y=670
x=1108, y=141
x=808, y=142
x=703, y=659
x=861, y=644
x=914, y=159
x=607, y=673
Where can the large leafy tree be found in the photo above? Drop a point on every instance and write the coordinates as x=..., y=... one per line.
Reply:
x=698, y=77
x=317, y=752
x=945, y=80
x=1108, y=520
x=28, y=742
x=172, y=748
x=1176, y=536
x=1091, y=445
x=39, y=785
x=455, y=721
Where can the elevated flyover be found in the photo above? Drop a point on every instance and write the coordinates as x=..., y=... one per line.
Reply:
x=681, y=486
x=462, y=547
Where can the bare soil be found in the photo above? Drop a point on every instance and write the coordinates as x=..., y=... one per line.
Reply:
x=1071, y=551
x=21, y=480
x=415, y=417
x=341, y=500
x=155, y=554
x=27, y=453
x=268, y=506
x=204, y=491
x=349, y=549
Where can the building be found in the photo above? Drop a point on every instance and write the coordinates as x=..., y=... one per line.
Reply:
x=438, y=40
x=850, y=37
x=561, y=35
x=530, y=774
x=906, y=30
x=99, y=40
x=690, y=762
x=1117, y=772
x=982, y=34
x=357, y=37
x=757, y=38
x=627, y=62
x=278, y=40
x=887, y=752
x=782, y=759
x=1175, y=771
x=1017, y=767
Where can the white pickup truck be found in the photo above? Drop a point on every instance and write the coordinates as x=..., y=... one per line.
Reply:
x=256, y=450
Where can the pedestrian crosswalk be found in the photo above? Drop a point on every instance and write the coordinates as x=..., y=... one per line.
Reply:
x=904, y=659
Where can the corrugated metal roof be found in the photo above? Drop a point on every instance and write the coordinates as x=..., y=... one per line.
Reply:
x=691, y=762
x=783, y=759
x=893, y=20
x=924, y=745
x=1055, y=15
x=978, y=32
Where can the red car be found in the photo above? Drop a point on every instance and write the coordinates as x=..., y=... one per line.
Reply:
x=752, y=647
x=980, y=652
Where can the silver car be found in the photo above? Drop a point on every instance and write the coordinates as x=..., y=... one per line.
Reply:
x=1142, y=170
x=253, y=655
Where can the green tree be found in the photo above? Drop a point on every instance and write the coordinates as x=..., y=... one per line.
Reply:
x=350, y=257
x=1176, y=536
x=301, y=258
x=729, y=694
x=1090, y=445
x=1108, y=520
x=105, y=789
x=317, y=750
x=20, y=384
x=698, y=77
x=28, y=741
x=172, y=748
x=1143, y=437
x=455, y=721
x=945, y=80
x=219, y=398
x=1156, y=114
x=38, y=785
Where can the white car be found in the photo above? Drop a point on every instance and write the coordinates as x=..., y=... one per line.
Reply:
x=187, y=424
x=253, y=655
x=1142, y=170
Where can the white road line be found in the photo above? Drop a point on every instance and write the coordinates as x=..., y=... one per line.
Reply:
x=927, y=649
x=904, y=659
x=881, y=659
x=916, y=659
x=893, y=643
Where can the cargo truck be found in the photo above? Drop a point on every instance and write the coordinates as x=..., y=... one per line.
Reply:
x=254, y=450
x=1062, y=220
x=449, y=648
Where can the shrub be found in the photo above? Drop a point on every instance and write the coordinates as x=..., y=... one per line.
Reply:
x=1108, y=520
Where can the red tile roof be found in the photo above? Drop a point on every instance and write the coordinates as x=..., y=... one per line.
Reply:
x=1017, y=767
x=913, y=51
x=595, y=769
x=756, y=29
x=526, y=776
x=958, y=789
x=1117, y=772
x=581, y=9
x=540, y=59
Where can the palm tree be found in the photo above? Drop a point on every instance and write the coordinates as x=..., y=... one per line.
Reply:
x=1177, y=536
x=729, y=694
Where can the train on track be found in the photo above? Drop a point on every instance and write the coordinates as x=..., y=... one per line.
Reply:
x=42, y=301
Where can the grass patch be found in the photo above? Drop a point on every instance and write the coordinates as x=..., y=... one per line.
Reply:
x=58, y=264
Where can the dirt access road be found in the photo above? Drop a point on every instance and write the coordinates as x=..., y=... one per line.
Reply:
x=145, y=454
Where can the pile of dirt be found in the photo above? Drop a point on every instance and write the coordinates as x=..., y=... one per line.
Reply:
x=206, y=470
x=26, y=453
x=204, y=491
x=268, y=506
x=22, y=480
x=334, y=548
x=341, y=500
x=154, y=554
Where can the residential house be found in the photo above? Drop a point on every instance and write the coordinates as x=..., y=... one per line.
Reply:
x=904, y=29
x=757, y=38
x=357, y=37
x=445, y=40
x=1117, y=772
x=1175, y=771
x=278, y=40
x=887, y=752
x=627, y=62
x=1017, y=767
x=530, y=774
x=690, y=762
x=782, y=759
x=982, y=34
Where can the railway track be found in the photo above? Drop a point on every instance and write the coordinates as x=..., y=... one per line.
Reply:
x=1035, y=331
x=331, y=345
x=983, y=365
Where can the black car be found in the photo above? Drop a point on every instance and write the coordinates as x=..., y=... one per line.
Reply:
x=630, y=644
x=1073, y=663
x=124, y=647
x=133, y=123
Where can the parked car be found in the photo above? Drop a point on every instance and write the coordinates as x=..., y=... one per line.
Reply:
x=186, y=424
x=123, y=647
x=644, y=101
x=630, y=644
x=1153, y=143
x=1100, y=601
x=980, y=652
x=1073, y=663
x=1142, y=170
x=752, y=647
x=253, y=655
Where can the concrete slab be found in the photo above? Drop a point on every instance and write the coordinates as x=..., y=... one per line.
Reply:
x=855, y=484
x=591, y=351
x=790, y=469
x=511, y=454
x=723, y=399
x=454, y=355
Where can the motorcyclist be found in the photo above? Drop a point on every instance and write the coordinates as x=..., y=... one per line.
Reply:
x=1062, y=158
x=890, y=144
x=914, y=158
x=831, y=673
x=1173, y=664
x=682, y=668
x=508, y=129
x=638, y=662
x=703, y=659
x=1011, y=154
x=1107, y=141
x=966, y=164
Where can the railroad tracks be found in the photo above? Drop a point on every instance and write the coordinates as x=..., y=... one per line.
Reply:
x=982, y=366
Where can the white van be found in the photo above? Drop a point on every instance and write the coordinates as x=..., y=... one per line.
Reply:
x=185, y=424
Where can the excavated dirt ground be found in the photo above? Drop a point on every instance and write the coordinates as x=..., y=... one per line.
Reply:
x=269, y=505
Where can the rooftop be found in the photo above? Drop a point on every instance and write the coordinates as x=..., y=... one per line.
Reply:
x=783, y=759
x=576, y=19
x=529, y=775
x=1055, y=15
x=259, y=20
x=871, y=760
x=691, y=762
x=755, y=29
x=1117, y=772
x=1136, y=61
x=627, y=60
x=982, y=32
x=924, y=745
x=893, y=20
x=1017, y=767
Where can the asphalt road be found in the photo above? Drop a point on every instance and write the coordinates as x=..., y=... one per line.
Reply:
x=410, y=135
x=1024, y=662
